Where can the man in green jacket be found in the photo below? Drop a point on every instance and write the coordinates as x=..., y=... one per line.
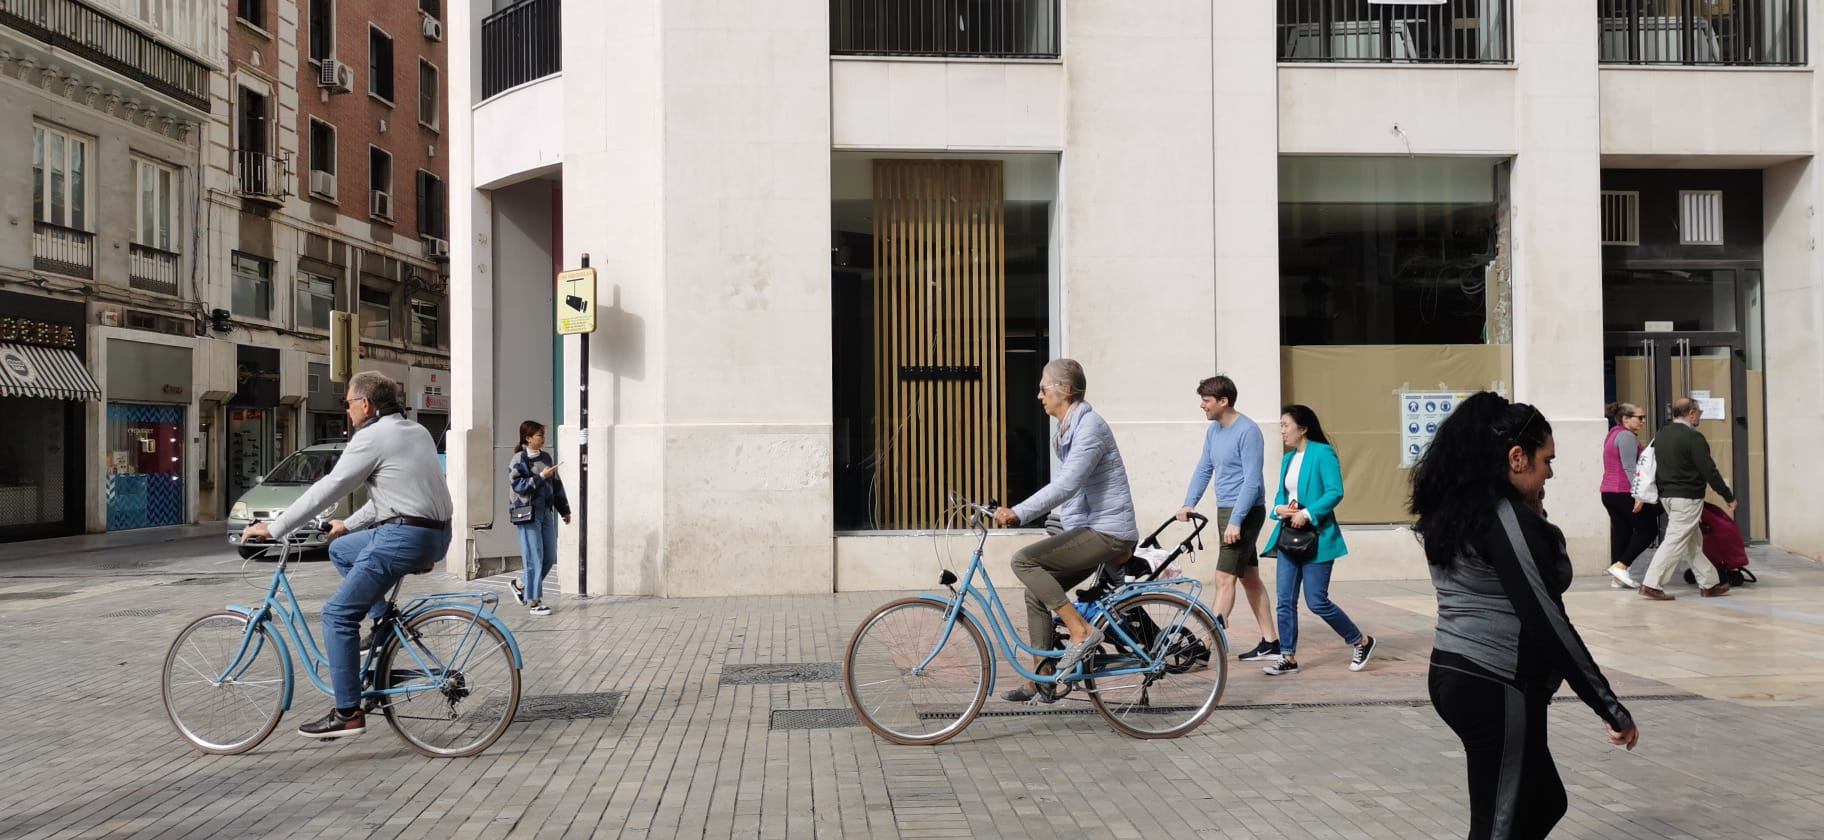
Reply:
x=1684, y=468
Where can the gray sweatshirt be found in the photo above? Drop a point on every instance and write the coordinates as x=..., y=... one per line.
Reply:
x=397, y=460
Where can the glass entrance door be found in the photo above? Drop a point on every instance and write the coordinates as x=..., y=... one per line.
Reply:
x=1652, y=370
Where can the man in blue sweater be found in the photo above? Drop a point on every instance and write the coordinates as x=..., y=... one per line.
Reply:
x=1233, y=450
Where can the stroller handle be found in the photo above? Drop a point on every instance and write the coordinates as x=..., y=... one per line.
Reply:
x=1198, y=521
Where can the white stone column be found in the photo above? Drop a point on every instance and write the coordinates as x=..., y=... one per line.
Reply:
x=470, y=438
x=1556, y=189
x=1138, y=291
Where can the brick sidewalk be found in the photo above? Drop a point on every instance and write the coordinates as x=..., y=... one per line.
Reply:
x=690, y=751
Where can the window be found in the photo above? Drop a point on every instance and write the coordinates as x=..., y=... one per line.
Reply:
x=316, y=300
x=376, y=314
x=254, y=126
x=60, y=163
x=252, y=286
x=434, y=8
x=380, y=64
x=252, y=11
x=433, y=206
x=152, y=211
x=380, y=182
x=426, y=321
x=322, y=159
x=427, y=93
x=322, y=29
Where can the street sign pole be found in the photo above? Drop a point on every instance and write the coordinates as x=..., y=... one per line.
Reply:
x=576, y=316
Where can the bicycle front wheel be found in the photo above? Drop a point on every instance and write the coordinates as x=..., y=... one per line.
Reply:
x=1177, y=698
x=454, y=687
x=899, y=700
x=219, y=703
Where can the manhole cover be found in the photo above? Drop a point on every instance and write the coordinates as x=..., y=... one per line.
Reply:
x=584, y=706
x=40, y=595
x=812, y=719
x=146, y=613
x=795, y=672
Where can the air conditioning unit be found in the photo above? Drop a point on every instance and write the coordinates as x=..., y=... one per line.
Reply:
x=336, y=76
x=436, y=249
x=380, y=204
x=433, y=29
x=323, y=183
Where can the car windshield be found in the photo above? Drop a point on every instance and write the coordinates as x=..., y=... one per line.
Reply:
x=304, y=467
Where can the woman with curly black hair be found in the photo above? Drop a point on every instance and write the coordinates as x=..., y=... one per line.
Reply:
x=1504, y=643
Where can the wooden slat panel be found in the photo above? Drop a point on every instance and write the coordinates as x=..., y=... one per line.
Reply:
x=940, y=270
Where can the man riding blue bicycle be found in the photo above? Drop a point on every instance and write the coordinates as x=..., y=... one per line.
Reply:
x=1091, y=493
x=403, y=528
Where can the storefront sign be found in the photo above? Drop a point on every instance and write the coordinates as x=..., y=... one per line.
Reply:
x=1420, y=414
x=435, y=399
x=41, y=333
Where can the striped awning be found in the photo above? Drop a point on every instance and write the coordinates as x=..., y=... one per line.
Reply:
x=45, y=373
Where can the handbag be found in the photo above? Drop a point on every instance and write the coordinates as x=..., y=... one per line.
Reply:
x=1645, y=485
x=1295, y=543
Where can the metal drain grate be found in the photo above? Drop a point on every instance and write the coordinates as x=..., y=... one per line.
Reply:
x=582, y=706
x=199, y=581
x=794, y=672
x=129, y=565
x=39, y=595
x=812, y=719
x=145, y=613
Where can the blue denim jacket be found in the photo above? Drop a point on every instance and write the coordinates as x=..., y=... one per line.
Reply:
x=1090, y=487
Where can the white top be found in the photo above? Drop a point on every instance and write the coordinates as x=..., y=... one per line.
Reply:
x=1298, y=460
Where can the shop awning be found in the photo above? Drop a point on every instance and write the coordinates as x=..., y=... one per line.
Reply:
x=45, y=373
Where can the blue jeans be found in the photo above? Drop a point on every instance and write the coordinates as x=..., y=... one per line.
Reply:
x=370, y=561
x=538, y=550
x=1315, y=578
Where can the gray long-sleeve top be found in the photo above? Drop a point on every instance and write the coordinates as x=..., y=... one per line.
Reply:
x=1091, y=484
x=397, y=460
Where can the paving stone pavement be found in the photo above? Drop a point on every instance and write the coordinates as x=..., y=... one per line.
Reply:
x=87, y=752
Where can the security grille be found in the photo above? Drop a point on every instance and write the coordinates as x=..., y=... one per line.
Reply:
x=1700, y=217
x=1620, y=217
x=146, y=499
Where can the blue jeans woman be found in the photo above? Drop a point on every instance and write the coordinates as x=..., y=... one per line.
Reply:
x=1310, y=488
x=533, y=476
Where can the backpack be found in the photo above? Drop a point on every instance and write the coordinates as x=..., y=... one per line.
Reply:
x=1646, y=475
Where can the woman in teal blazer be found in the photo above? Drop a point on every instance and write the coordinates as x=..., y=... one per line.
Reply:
x=1310, y=488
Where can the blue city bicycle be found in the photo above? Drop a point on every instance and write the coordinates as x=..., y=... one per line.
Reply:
x=918, y=670
x=442, y=668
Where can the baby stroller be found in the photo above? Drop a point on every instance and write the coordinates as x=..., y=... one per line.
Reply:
x=1150, y=561
x=1724, y=546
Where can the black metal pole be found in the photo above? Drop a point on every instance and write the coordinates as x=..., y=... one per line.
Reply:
x=582, y=453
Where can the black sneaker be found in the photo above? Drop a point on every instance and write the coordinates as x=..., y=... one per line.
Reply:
x=1363, y=653
x=1261, y=652
x=519, y=590
x=1281, y=666
x=334, y=725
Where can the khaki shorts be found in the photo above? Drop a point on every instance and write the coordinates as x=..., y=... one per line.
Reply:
x=1237, y=559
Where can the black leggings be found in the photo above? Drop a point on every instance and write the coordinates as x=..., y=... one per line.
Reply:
x=1629, y=533
x=1514, y=789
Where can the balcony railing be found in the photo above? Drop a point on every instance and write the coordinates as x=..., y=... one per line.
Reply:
x=1450, y=32
x=949, y=28
x=520, y=43
x=66, y=251
x=152, y=270
x=1738, y=32
x=95, y=36
x=262, y=176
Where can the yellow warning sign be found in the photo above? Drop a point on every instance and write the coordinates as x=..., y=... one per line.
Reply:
x=576, y=301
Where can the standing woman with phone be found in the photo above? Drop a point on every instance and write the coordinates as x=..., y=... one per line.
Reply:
x=536, y=485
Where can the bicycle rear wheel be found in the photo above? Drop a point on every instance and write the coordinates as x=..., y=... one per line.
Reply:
x=462, y=697
x=1180, y=697
x=893, y=696
x=224, y=716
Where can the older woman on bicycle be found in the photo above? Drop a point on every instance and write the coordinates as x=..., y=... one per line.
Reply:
x=1091, y=493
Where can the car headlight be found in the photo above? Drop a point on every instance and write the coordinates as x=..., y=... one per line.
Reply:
x=240, y=511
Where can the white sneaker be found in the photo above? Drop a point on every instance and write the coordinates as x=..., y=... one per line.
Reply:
x=1620, y=573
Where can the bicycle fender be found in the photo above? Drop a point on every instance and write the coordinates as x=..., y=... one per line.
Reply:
x=512, y=643
x=970, y=617
x=278, y=640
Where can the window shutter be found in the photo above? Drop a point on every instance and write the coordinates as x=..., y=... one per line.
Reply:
x=424, y=218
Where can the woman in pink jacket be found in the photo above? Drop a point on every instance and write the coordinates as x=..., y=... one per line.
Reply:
x=1632, y=523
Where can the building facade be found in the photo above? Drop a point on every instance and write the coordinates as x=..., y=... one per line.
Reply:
x=184, y=225
x=837, y=241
